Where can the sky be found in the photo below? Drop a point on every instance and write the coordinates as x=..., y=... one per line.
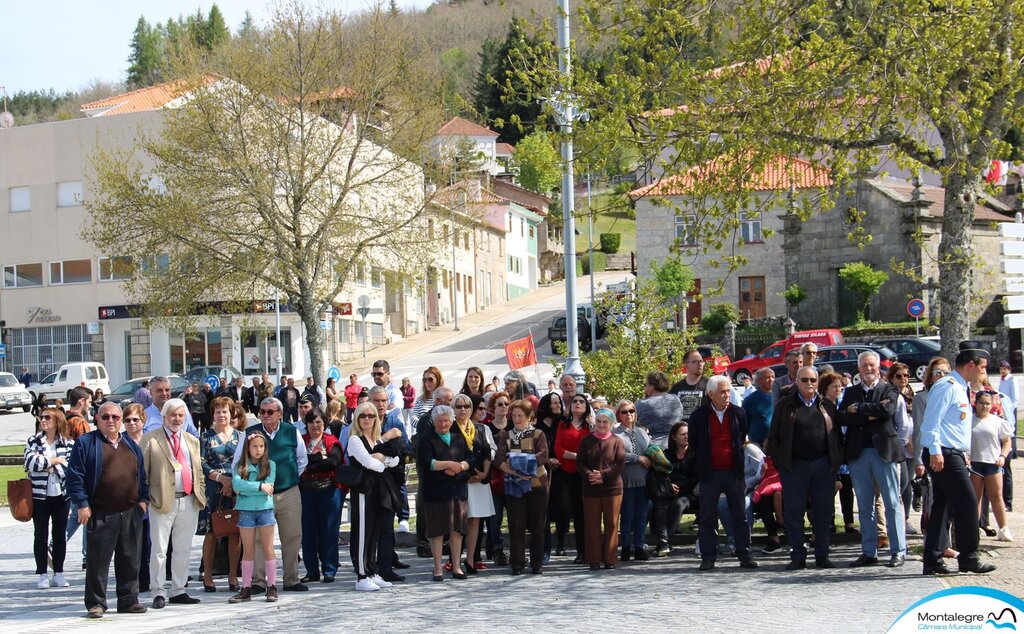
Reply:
x=66, y=44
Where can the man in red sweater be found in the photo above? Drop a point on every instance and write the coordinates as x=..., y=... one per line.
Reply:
x=352, y=391
x=717, y=433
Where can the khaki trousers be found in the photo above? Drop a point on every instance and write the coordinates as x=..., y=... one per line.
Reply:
x=288, y=512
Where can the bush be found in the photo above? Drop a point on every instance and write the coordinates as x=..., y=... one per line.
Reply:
x=610, y=242
x=718, y=316
x=600, y=262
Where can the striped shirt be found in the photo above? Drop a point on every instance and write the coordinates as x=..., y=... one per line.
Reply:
x=38, y=465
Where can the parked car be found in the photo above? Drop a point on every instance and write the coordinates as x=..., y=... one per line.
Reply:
x=844, y=358
x=89, y=374
x=719, y=362
x=773, y=354
x=13, y=394
x=915, y=352
x=556, y=332
x=226, y=373
x=125, y=393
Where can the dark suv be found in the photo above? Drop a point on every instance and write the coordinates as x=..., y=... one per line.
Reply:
x=844, y=358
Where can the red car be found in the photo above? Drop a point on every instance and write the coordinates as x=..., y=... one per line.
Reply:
x=773, y=354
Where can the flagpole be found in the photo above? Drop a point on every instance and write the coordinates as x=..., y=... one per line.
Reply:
x=536, y=368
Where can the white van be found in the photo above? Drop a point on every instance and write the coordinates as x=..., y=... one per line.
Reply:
x=71, y=375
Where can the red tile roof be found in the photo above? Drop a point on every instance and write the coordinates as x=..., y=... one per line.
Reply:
x=779, y=173
x=984, y=210
x=462, y=127
x=504, y=149
x=141, y=100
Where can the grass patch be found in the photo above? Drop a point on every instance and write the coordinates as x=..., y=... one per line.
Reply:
x=605, y=221
x=12, y=450
x=8, y=473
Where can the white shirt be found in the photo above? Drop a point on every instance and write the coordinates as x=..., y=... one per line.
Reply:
x=179, y=486
x=53, y=481
x=357, y=451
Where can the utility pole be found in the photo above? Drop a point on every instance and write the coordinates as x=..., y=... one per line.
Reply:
x=593, y=303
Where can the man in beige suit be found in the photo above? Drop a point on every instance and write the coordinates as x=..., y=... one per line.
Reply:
x=174, y=468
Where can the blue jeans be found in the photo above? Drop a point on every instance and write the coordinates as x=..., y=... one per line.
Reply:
x=866, y=471
x=633, y=521
x=321, y=515
x=494, y=540
x=726, y=519
x=73, y=526
x=403, y=514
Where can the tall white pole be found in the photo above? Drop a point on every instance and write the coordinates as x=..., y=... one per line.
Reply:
x=593, y=304
x=565, y=111
x=277, y=343
x=455, y=238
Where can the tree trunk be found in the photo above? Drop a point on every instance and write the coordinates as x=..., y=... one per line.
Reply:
x=955, y=260
x=309, y=313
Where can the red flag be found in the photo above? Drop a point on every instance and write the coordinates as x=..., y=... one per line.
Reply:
x=521, y=353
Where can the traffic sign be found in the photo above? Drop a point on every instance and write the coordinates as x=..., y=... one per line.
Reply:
x=1015, y=302
x=325, y=325
x=1011, y=230
x=363, y=311
x=1014, y=320
x=213, y=382
x=363, y=301
x=334, y=373
x=3, y=350
x=915, y=308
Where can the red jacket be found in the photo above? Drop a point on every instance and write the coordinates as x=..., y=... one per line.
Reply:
x=568, y=438
x=352, y=395
x=324, y=467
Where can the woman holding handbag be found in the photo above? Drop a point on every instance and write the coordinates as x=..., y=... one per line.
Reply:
x=46, y=458
x=218, y=444
x=321, y=500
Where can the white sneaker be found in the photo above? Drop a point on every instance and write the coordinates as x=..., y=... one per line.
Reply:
x=403, y=526
x=377, y=579
x=59, y=581
x=1004, y=535
x=44, y=582
x=367, y=585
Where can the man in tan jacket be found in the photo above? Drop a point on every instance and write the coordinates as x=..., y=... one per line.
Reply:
x=174, y=468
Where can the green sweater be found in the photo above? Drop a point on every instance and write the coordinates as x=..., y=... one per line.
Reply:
x=282, y=452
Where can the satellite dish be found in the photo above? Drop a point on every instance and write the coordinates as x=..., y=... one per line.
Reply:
x=6, y=120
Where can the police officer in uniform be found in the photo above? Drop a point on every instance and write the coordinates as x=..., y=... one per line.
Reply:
x=946, y=437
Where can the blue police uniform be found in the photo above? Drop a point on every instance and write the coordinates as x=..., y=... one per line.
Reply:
x=947, y=432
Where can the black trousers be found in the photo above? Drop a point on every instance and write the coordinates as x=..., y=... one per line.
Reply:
x=116, y=536
x=722, y=482
x=846, y=497
x=366, y=518
x=386, y=541
x=574, y=490
x=814, y=479
x=528, y=513
x=952, y=497
x=50, y=512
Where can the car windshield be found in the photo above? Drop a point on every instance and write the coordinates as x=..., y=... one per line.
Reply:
x=8, y=380
x=126, y=389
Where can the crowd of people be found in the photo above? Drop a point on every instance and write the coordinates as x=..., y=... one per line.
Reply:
x=152, y=476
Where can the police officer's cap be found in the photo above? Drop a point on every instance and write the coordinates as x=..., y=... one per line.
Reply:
x=975, y=347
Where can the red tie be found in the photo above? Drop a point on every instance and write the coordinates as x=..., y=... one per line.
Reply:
x=186, y=469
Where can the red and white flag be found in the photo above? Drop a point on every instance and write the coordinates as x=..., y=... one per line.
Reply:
x=521, y=353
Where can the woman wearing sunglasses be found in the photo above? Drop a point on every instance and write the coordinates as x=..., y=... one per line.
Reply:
x=46, y=458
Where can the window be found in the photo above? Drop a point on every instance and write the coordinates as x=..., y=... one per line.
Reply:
x=69, y=194
x=522, y=227
x=531, y=231
x=445, y=234
x=23, y=275
x=20, y=199
x=686, y=229
x=44, y=349
x=469, y=284
x=361, y=275
x=458, y=281
x=71, y=272
x=376, y=278
x=195, y=349
x=259, y=354
x=750, y=227
x=465, y=240
x=115, y=268
x=430, y=229
x=158, y=263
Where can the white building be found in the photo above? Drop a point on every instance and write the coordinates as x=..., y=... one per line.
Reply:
x=61, y=301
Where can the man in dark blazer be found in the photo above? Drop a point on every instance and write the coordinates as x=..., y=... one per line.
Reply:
x=873, y=452
x=717, y=433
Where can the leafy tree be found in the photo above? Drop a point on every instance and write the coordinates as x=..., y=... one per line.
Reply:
x=503, y=96
x=793, y=295
x=863, y=280
x=215, y=31
x=718, y=316
x=672, y=279
x=145, y=57
x=538, y=162
x=272, y=179
x=457, y=81
x=637, y=343
x=247, y=27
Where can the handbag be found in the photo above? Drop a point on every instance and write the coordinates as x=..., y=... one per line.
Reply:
x=351, y=476
x=318, y=485
x=19, y=497
x=225, y=522
x=659, y=486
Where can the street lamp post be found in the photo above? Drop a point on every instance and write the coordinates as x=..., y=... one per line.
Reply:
x=455, y=238
x=565, y=113
x=593, y=304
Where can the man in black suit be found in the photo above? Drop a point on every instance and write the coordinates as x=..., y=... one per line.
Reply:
x=873, y=452
x=717, y=433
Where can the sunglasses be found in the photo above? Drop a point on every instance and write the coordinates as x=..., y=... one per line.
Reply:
x=501, y=404
x=579, y=401
x=627, y=411
x=429, y=378
x=110, y=417
x=808, y=379
x=267, y=412
x=376, y=374
x=463, y=406
x=901, y=376
x=481, y=409
x=46, y=418
x=367, y=415
x=133, y=419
